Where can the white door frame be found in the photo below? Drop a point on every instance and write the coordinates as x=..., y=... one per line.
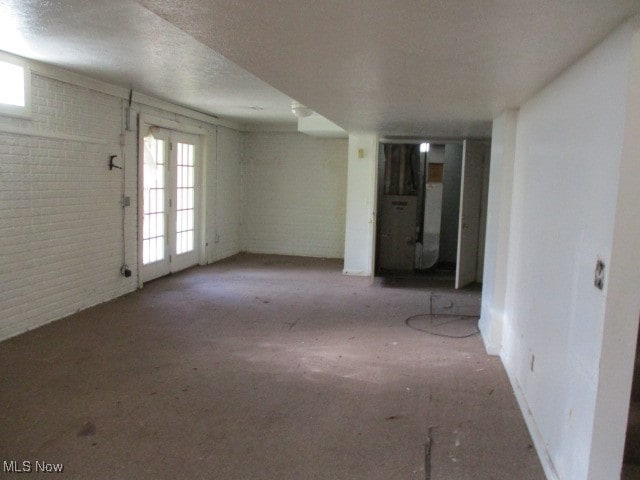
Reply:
x=469, y=218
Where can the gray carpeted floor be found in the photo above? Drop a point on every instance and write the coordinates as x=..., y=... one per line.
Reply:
x=263, y=367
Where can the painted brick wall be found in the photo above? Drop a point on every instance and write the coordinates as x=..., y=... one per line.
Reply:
x=61, y=219
x=224, y=196
x=60, y=211
x=61, y=227
x=293, y=194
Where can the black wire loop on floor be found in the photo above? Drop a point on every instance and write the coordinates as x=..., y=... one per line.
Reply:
x=448, y=319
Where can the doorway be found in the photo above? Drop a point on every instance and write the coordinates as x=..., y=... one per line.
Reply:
x=432, y=200
x=169, y=202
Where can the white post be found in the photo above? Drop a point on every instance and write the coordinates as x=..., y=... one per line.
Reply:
x=360, y=229
x=496, y=253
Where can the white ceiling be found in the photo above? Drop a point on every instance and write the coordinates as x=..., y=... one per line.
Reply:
x=396, y=67
x=121, y=42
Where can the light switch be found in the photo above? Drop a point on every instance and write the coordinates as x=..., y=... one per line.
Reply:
x=361, y=153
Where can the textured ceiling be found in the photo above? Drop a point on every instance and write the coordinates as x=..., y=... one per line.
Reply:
x=396, y=67
x=121, y=42
x=403, y=67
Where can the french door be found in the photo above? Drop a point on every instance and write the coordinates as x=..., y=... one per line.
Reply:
x=169, y=224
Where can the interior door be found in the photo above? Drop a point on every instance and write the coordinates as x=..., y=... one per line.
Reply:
x=169, y=227
x=397, y=232
x=473, y=153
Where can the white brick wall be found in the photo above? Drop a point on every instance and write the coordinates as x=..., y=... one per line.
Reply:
x=61, y=231
x=294, y=194
x=224, y=196
x=61, y=241
x=61, y=234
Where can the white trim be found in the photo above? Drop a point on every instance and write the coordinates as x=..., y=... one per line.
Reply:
x=278, y=127
x=184, y=111
x=155, y=121
x=140, y=204
x=34, y=132
x=56, y=73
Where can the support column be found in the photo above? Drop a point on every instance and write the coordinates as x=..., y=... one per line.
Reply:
x=360, y=229
x=496, y=254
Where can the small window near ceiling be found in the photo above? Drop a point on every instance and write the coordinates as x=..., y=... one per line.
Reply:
x=15, y=87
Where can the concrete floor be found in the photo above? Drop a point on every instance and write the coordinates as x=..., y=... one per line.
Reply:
x=264, y=367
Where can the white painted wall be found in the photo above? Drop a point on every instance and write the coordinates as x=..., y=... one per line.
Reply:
x=61, y=235
x=294, y=194
x=360, y=233
x=60, y=212
x=622, y=310
x=567, y=203
x=496, y=254
x=225, y=201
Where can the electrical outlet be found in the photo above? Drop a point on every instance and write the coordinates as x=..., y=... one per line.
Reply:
x=598, y=279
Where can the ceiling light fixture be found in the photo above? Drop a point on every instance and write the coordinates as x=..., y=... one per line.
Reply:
x=300, y=110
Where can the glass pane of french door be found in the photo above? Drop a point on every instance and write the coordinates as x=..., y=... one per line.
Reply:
x=153, y=222
x=185, y=198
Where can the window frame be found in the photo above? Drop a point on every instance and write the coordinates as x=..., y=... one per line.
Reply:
x=16, y=110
